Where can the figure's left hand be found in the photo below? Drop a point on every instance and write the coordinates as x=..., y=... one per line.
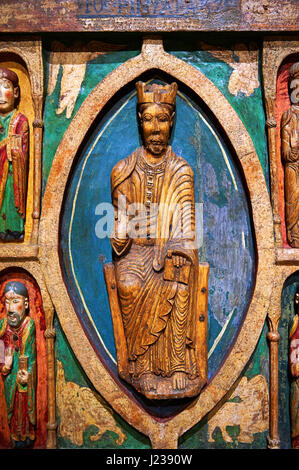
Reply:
x=178, y=261
x=22, y=377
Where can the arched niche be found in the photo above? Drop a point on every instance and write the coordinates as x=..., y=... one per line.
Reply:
x=278, y=56
x=25, y=58
x=41, y=311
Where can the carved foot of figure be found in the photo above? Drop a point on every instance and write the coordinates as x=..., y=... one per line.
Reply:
x=148, y=382
x=162, y=388
x=179, y=381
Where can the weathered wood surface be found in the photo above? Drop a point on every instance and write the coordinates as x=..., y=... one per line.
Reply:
x=148, y=15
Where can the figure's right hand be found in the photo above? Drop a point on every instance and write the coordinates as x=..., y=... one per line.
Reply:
x=8, y=358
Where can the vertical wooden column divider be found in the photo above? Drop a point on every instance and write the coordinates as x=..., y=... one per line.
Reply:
x=50, y=335
x=271, y=128
x=37, y=171
x=273, y=337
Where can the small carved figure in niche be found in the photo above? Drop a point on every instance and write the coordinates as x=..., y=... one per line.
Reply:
x=18, y=364
x=290, y=156
x=157, y=310
x=294, y=367
x=14, y=135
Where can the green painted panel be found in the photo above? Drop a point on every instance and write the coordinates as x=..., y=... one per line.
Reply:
x=235, y=68
x=56, y=124
x=241, y=422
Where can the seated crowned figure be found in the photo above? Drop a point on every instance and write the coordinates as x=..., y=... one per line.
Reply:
x=159, y=316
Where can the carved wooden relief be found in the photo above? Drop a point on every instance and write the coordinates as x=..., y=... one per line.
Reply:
x=19, y=364
x=58, y=227
x=150, y=16
x=161, y=288
x=23, y=57
x=14, y=130
x=279, y=56
x=24, y=365
x=294, y=369
x=147, y=332
x=290, y=156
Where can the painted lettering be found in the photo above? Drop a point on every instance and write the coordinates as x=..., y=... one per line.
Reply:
x=166, y=8
x=98, y=5
x=153, y=8
x=123, y=6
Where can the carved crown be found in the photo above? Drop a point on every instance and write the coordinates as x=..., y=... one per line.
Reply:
x=155, y=93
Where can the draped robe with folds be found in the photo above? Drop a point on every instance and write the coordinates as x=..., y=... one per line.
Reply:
x=13, y=175
x=290, y=155
x=157, y=313
x=20, y=399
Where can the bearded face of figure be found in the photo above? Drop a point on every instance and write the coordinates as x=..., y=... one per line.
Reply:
x=16, y=306
x=156, y=122
x=8, y=96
